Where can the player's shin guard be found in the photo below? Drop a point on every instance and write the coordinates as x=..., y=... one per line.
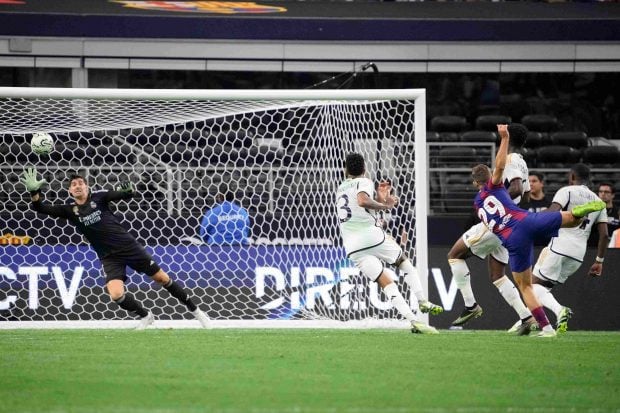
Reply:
x=547, y=299
x=412, y=279
x=128, y=303
x=397, y=300
x=461, y=275
x=179, y=293
x=510, y=293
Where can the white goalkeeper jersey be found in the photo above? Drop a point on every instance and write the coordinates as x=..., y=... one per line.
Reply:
x=516, y=168
x=358, y=226
x=572, y=242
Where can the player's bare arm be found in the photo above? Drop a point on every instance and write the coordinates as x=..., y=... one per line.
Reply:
x=603, y=241
x=365, y=201
x=383, y=191
x=516, y=188
x=502, y=154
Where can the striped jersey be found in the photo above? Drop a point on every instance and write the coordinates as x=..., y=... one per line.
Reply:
x=497, y=210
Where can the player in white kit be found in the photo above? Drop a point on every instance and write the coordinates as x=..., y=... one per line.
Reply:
x=369, y=247
x=480, y=242
x=564, y=254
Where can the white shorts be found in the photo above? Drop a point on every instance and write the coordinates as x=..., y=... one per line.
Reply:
x=482, y=242
x=554, y=267
x=370, y=261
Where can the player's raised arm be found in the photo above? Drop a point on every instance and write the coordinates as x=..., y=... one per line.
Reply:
x=502, y=154
x=125, y=190
x=33, y=186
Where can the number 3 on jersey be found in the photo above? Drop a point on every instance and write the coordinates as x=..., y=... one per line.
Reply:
x=344, y=212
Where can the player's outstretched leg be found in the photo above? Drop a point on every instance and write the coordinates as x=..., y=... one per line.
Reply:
x=582, y=210
x=180, y=294
x=413, y=280
x=396, y=298
x=116, y=289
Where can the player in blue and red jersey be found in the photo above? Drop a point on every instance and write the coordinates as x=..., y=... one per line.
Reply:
x=517, y=228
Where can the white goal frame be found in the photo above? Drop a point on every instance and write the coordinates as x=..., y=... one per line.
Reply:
x=418, y=96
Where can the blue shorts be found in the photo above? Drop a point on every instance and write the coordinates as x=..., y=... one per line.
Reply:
x=520, y=244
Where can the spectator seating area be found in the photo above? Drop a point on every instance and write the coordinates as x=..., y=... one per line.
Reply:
x=453, y=151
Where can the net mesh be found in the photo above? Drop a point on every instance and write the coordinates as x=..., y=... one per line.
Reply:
x=282, y=161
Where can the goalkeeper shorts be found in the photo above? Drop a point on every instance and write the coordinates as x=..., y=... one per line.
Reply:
x=115, y=265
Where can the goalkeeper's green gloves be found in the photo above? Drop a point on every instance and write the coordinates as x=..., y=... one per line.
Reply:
x=29, y=179
x=125, y=187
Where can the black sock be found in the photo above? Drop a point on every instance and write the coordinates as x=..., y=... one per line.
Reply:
x=127, y=302
x=179, y=293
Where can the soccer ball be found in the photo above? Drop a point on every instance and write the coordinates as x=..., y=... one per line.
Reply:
x=42, y=143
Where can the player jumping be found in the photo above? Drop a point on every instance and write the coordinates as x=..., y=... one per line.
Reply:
x=368, y=246
x=480, y=242
x=517, y=228
x=116, y=248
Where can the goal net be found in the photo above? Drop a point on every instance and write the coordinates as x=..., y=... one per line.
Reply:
x=280, y=154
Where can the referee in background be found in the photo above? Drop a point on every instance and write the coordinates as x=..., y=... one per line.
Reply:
x=116, y=248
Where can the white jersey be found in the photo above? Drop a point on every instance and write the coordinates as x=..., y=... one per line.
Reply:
x=516, y=168
x=358, y=226
x=572, y=242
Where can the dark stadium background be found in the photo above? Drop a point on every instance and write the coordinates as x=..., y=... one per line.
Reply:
x=559, y=59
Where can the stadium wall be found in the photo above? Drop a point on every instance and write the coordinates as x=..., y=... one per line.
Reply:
x=65, y=283
x=593, y=300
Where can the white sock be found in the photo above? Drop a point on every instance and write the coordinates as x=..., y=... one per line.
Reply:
x=412, y=279
x=510, y=293
x=391, y=290
x=547, y=299
x=461, y=275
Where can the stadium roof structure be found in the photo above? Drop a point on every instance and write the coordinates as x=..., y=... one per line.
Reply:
x=314, y=20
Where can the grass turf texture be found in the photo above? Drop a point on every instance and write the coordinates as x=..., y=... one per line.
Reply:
x=354, y=371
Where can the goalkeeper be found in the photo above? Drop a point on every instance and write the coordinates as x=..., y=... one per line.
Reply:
x=116, y=248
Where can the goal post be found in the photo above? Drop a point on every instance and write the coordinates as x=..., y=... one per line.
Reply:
x=280, y=154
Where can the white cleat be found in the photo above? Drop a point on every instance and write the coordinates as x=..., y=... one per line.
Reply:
x=145, y=321
x=515, y=327
x=202, y=318
x=547, y=334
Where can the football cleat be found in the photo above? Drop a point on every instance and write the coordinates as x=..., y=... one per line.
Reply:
x=145, y=321
x=202, y=318
x=468, y=314
x=418, y=327
x=562, y=323
x=527, y=327
x=546, y=334
x=582, y=210
x=428, y=307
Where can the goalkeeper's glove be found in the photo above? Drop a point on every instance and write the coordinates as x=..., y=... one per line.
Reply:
x=29, y=179
x=125, y=187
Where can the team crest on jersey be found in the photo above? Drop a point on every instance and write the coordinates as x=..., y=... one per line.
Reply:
x=93, y=204
x=219, y=7
x=76, y=210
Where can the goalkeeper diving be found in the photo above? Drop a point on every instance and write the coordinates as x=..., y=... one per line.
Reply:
x=116, y=248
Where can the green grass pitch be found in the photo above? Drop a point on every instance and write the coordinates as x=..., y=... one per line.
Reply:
x=306, y=370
